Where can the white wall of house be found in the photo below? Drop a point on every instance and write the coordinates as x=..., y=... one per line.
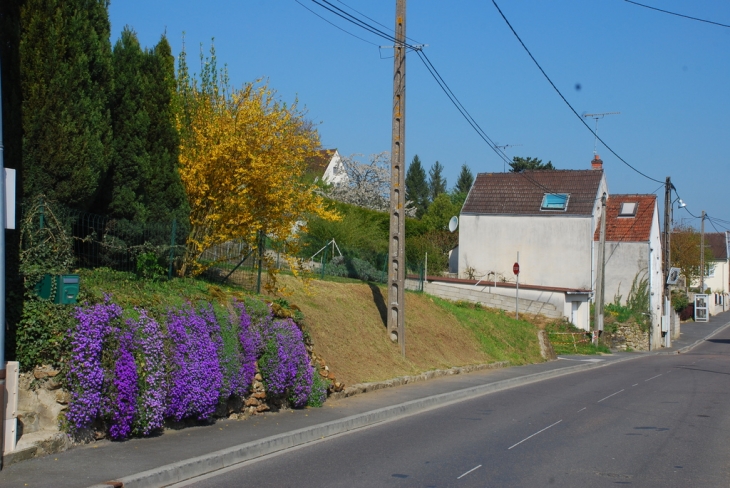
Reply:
x=554, y=250
x=335, y=172
x=624, y=260
x=718, y=277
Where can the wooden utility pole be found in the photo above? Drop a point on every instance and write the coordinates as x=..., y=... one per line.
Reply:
x=600, y=268
x=397, y=255
x=702, y=254
x=666, y=262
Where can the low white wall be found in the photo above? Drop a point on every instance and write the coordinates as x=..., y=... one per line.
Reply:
x=489, y=297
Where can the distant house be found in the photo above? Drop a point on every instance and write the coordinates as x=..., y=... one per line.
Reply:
x=550, y=218
x=633, y=251
x=718, y=271
x=327, y=166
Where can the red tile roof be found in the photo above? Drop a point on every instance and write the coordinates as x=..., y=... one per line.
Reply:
x=318, y=164
x=716, y=241
x=628, y=229
x=522, y=193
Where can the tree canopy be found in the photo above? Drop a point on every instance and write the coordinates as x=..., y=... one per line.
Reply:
x=685, y=252
x=417, y=186
x=519, y=164
x=465, y=180
x=436, y=181
x=66, y=80
x=242, y=158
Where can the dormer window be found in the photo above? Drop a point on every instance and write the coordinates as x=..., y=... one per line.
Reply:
x=555, y=201
x=628, y=209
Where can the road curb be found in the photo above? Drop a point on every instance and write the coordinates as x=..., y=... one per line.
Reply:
x=208, y=463
x=699, y=341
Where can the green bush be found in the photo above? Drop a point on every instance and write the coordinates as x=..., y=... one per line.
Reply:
x=353, y=268
x=42, y=333
x=149, y=267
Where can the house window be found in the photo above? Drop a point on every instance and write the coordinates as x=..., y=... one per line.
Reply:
x=710, y=270
x=555, y=201
x=628, y=209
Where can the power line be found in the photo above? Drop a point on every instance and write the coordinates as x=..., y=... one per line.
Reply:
x=373, y=20
x=564, y=99
x=678, y=15
x=335, y=25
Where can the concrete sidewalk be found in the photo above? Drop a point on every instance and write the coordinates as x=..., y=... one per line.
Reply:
x=181, y=454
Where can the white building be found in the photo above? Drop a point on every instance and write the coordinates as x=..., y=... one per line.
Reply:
x=549, y=218
x=633, y=252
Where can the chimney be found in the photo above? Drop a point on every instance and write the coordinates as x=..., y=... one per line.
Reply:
x=597, y=162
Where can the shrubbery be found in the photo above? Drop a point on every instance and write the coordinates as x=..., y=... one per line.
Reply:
x=128, y=372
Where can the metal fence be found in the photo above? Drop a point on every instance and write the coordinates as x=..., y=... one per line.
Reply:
x=103, y=241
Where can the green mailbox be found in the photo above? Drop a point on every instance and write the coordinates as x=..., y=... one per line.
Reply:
x=64, y=288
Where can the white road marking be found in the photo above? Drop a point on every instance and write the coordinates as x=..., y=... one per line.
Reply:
x=657, y=376
x=635, y=384
x=533, y=435
x=473, y=469
x=579, y=411
x=609, y=396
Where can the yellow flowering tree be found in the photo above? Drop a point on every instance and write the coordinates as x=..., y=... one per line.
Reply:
x=242, y=158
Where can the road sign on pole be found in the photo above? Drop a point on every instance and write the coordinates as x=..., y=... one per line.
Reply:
x=516, y=268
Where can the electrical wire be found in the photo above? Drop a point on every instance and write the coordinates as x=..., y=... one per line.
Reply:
x=678, y=15
x=565, y=100
x=335, y=25
x=373, y=20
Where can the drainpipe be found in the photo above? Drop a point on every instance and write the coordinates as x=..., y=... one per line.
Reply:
x=2, y=276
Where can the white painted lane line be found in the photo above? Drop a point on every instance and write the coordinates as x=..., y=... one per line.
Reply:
x=533, y=435
x=472, y=469
x=609, y=396
x=635, y=384
x=579, y=411
x=657, y=376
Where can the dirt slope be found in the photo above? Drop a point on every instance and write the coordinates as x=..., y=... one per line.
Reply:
x=346, y=322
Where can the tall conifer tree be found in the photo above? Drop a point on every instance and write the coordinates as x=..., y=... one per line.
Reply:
x=465, y=180
x=130, y=164
x=416, y=186
x=166, y=198
x=436, y=181
x=66, y=78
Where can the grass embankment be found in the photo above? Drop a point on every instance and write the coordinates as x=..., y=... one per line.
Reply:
x=347, y=323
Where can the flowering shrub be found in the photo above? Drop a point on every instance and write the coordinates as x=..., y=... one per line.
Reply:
x=285, y=362
x=124, y=404
x=133, y=374
x=86, y=374
x=196, y=373
x=152, y=381
x=250, y=345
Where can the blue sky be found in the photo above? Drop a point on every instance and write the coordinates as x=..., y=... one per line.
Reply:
x=668, y=76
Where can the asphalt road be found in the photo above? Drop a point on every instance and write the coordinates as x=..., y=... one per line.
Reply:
x=659, y=421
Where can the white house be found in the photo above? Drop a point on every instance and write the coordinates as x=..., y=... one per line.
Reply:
x=327, y=165
x=633, y=251
x=718, y=271
x=549, y=218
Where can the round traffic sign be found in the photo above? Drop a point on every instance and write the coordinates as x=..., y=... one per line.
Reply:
x=516, y=268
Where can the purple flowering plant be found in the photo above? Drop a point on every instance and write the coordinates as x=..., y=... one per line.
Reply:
x=152, y=377
x=86, y=376
x=123, y=397
x=196, y=376
x=284, y=363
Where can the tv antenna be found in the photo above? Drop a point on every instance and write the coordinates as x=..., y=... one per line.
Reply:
x=596, y=117
x=504, y=148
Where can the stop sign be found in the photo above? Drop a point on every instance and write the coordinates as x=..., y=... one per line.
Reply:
x=516, y=268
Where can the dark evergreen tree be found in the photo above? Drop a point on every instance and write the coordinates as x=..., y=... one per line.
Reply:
x=436, y=181
x=165, y=194
x=416, y=186
x=66, y=79
x=519, y=164
x=130, y=165
x=465, y=180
